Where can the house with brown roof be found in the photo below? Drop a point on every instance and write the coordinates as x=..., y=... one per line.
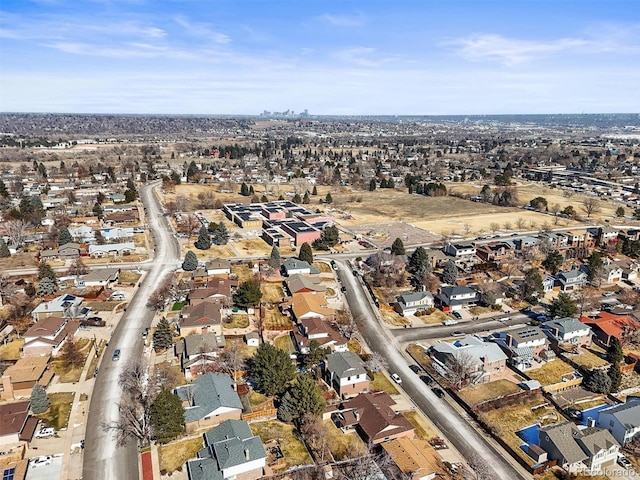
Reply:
x=46, y=336
x=16, y=424
x=373, y=417
x=309, y=305
x=217, y=288
x=414, y=457
x=606, y=326
x=324, y=333
x=201, y=318
x=19, y=378
x=299, y=283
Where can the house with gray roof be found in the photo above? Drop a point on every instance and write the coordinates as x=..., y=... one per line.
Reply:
x=103, y=277
x=571, y=279
x=523, y=345
x=67, y=306
x=410, y=303
x=482, y=360
x=345, y=372
x=567, y=330
x=293, y=265
x=209, y=400
x=588, y=450
x=231, y=452
x=623, y=421
x=198, y=352
x=452, y=298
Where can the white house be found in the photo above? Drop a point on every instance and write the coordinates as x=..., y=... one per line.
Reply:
x=460, y=250
x=111, y=249
x=623, y=421
x=345, y=372
x=410, y=303
x=569, y=330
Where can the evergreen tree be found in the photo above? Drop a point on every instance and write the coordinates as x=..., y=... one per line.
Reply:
x=248, y=294
x=4, y=193
x=204, y=241
x=398, y=247
x=244, y=190
x=39, y=399
x=190, y=262
x=598, y=382
x=614, y=352
x=306, y=398
x=532, y=284
x=314, y=191
x=417, y=260
x=192, y=171
x=306, y=200
x=64, y=237
x=46, y=286
x=306, y=254
x=162, y=337
x=4, y=249
x=563, y=306
x=391, y=183
x=315, y=355
x=328, y=198
x=450, y=273
x=167, y=416
x=616, y=376
x=596, y=267
x=553, y=261
x=285, y=412
x=372, y=185
x=272, y=369
x=620, y=212
x=274, y=258
x=97, y=210
x=221, y=234
x=212, y=227
x=297, y=198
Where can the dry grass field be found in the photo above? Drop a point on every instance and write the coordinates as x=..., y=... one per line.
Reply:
x=11, y=350
x=423, y=431
x=588, y=360
x=175, y=454
x=295, y=453
x=343, y=445
x=551, y=372
x=274, y=320
x=488, y=391
x=58, y=414
x=380, y=382
x=271, y=292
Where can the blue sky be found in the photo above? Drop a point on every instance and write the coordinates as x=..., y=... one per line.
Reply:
x=331, y=57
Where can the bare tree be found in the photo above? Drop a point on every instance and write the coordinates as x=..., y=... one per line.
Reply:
x=316, y=435
x=479, y=468
x=7, y=288
x=189, y=224
x=507, y=226
x=494, y=227
x=590, y=205
x=16, y=230
x=376, y=362
x=459, y=367
x=555, y=209
x=233, y=359
x=77, y=268
x=159, y=297
x=467, y=228
x=520, y=223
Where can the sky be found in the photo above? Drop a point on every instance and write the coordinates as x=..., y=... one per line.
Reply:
x=346, y=57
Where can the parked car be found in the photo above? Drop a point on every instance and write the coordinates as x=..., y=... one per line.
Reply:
x=450, y=322
x=415, y=368
x=396, y=378
x=343, y=289
x=624, y=462
x=116, y=355
x=93, y=322
x=45, y=433
x=426, y=379
x=438, y=392
x=457, y=315
x=40, y=461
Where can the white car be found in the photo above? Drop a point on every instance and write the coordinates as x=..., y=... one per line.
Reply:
x=40, y=461
x=396, y=378
x=45, y=433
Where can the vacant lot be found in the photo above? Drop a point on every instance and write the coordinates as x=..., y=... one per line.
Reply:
x=173, y=455
x=295, y=453
x=488, y=391
x=551, y=372
x=18, y=260
x=253, y=247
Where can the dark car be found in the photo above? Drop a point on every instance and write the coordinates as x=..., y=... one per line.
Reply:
x=457, y=315
x=426, y=379
x=438, y=392
x=343, y=289
x=415, y=368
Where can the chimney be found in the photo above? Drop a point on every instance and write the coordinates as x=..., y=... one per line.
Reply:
x=591, y=422
x=246, y=454
x=357, y=414
x=7, y=388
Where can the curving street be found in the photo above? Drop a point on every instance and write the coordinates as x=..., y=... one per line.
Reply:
x=456, y=429
x=102, y=458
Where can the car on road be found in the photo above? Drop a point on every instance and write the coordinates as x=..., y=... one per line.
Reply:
x=116, y=355
x=343, y=289
x=415, y=368
x=458, y=333
x=624, y=462
x=426, y=379
x=45, y=433
x=450, y=322
x=40, y=461
x=438, y=392
x=457, y=315
x=396, y=378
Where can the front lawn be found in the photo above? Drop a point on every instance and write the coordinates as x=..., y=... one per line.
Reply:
x=58, y=414
x=174, y=455
x=423, y=431
x=127, y=277
x=419, y=355
x=323, y=267
x=71, y=374
x=488, y=391
x=551, y=372
x=381, y=382
x=295, y=452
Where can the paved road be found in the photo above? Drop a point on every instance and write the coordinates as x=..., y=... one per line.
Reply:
x=103, y=460
x=455, y=428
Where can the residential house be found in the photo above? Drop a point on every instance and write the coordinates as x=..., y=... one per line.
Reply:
x=416, y=458
x=67, y=305
x=454, y=298
x=496, y=252
x=201, y=318
x=299, y=283
x=483, y=360
x=460, y=250
x=373, y=417
x=293, y=265
x=83, y=234
x=209, y=400
x=120, y=217
x=118, y=233
x=231, y=452
x=309, y=305
x=46, y=337
x=548, y=283
x=104, y=277
x=612, y=273
x=217, y=289
x=18, y=379
x=623, y=420
x=344, y=371
x=567, y=330
x=588, y=450
x=324, y=333
x=218, y=266
x=198, y=351
x=606, y=235
x=555, y=241
x=606, y=326
x=523, y=345
x=71, y=250
x=410, y=303
x=571, y=280
x=111, y=249
x=16, y=424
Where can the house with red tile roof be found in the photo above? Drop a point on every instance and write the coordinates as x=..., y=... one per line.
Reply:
x=607, y=325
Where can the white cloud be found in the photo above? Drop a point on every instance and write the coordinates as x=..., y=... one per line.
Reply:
x=359, y=56
x=342, y=21
x=200, y=29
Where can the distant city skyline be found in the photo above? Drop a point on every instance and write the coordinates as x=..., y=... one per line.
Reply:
x=386, y=57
